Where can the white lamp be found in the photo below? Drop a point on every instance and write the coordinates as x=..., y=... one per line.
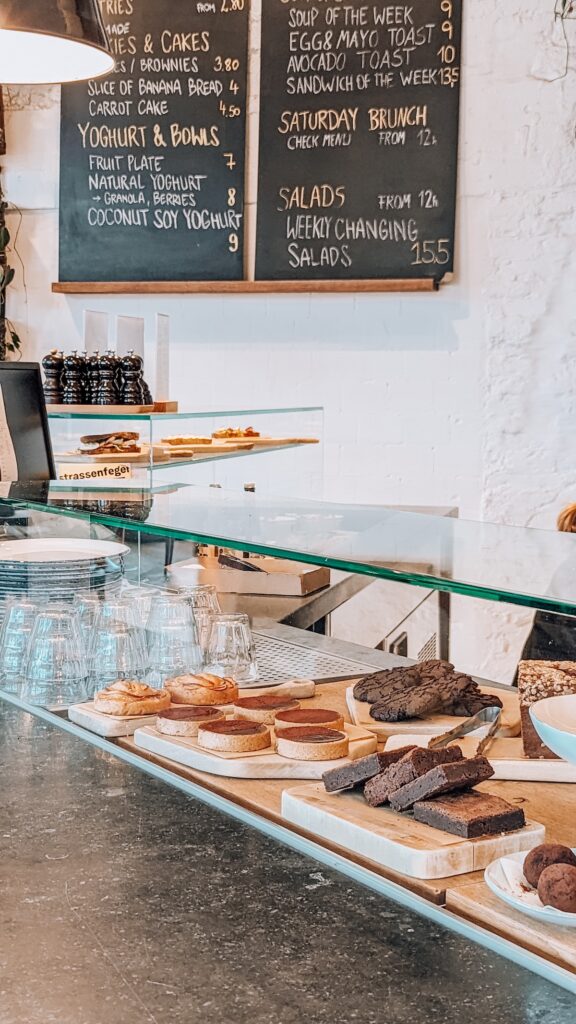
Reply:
x=50, y=41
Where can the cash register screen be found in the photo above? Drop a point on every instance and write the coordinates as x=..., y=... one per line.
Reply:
x=25, y=447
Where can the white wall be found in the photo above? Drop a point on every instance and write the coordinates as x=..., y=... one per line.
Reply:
x=465, y=397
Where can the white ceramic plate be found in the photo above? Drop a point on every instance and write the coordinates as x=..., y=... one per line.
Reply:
x=555, y=722
x=505, y=878
x=67, y=549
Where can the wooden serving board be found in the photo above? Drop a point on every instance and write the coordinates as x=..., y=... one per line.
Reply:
x=263, y=442
x=103, y=410
x=395, y=840
x=433, y=725
x=183, y=451
x=506, y=756
x=476, y=903
x=259, y=764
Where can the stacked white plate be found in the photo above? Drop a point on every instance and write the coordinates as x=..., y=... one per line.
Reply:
x=56, y=569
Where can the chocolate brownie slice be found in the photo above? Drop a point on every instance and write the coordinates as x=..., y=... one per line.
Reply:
x=415, y=762
x=419, y=761
x=445, y=778
x=349, y=775
x=470, y=814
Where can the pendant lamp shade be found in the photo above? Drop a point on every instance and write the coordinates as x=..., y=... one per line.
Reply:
x=45, y=41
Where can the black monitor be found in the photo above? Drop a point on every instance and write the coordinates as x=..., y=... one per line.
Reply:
x=25, y=445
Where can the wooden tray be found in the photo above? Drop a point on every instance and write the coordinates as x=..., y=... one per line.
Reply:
x=263, y=442
x=395, y=840
x=433, y=725
x=476, y=903
x=126, y=725
x=259, y=764
x=116, y=410
x=506, y=756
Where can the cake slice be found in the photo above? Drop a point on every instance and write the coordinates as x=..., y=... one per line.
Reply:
x=445, y=778
x=536, y=681
x=470, y=814
x=357, y=772
x=415, y=762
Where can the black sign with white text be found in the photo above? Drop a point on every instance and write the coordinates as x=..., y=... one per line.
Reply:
x=358, y=139
x=152, y=156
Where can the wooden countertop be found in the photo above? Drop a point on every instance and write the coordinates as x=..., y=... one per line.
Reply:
x=551, y=804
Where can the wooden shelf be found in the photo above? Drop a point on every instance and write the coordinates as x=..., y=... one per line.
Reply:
x=239, y=287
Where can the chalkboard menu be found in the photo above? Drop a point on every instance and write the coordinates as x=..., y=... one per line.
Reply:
x=358, y=139
x=152, y=156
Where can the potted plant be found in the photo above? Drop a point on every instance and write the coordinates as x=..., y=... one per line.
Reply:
x=9, y=340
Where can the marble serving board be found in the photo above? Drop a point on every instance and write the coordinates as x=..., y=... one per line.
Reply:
x=257, y=764
x=506, y=755
x=432, y=725
x=107, y=725
x=395, y=840
x=126, y=725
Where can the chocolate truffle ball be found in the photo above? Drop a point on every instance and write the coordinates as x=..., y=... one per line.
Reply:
x=542, y=857
x=557, y=887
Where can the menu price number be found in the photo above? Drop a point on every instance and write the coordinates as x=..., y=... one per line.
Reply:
x=230, y=6
x=426, y=137
x=226, y=64
x=229, y=109
x=435, y=251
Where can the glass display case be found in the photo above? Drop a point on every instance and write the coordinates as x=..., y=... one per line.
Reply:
x=276, y=450
x=315, y=580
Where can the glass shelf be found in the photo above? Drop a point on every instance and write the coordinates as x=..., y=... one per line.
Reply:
x=522, y=566
x=144, y=417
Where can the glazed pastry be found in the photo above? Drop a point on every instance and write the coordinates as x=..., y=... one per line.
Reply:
x=309, y=716
x=265, y=708
x=127, y=697
x=202, y=690
x=236, y=736
x=311, y=743
x=232, y=432
x=185, y=721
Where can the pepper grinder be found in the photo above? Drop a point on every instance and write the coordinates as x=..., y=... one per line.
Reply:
x=72, y=390
x=132, y=387
x=53, y=364
x=93, y=373
x=107, y=393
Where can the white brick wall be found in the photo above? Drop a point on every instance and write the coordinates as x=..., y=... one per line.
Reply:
x=466, y=397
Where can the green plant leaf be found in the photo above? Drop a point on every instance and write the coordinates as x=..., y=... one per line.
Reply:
x=10, y=275
x=4, y=238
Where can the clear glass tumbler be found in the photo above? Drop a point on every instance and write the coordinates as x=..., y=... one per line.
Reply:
x=230, y=650
x=56, y=670
x=203, y=600
x=115, y=654
x=20, y=616
x=120, y=609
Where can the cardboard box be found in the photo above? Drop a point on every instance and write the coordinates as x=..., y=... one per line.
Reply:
x=279, y=577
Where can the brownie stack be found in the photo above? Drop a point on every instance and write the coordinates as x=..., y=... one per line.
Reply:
x=437, y=785
x=537, y=680
x=426, y=688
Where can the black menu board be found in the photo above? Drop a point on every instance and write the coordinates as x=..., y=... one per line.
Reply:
x=152, y=156
x=358, y=139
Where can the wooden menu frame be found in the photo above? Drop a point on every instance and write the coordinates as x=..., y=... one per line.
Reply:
x=424, y=284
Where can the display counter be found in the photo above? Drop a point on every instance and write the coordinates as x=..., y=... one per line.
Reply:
x=136, y=825
x=130, y=900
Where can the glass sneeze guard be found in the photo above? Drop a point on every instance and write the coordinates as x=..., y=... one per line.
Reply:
x=523, y=566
